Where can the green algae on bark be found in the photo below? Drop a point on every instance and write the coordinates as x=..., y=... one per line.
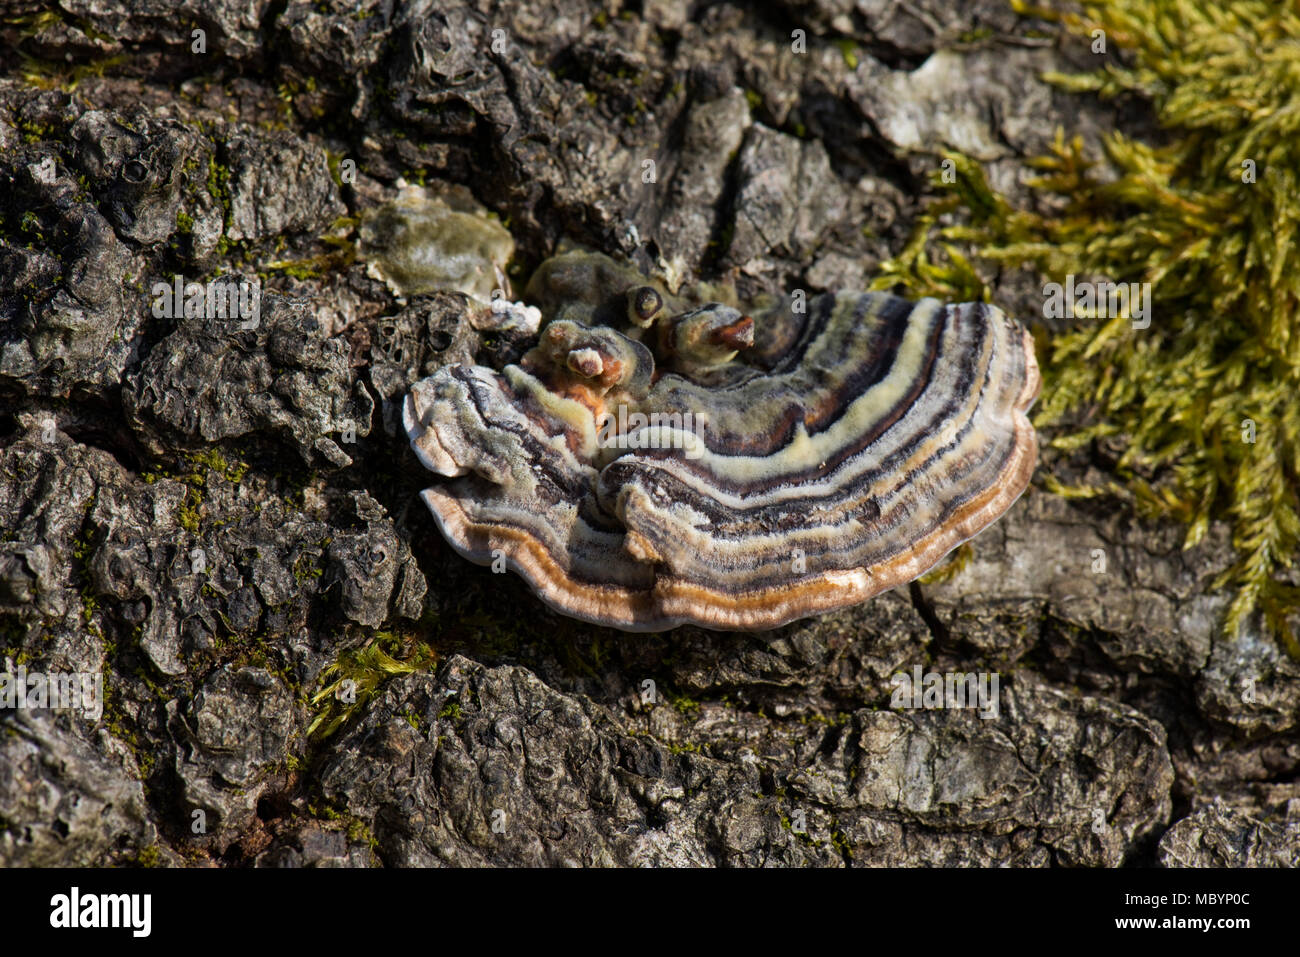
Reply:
x=1204, y=400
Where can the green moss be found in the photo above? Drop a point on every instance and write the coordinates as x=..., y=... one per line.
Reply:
x=306, y=567
x=682, y=704
x=840, y=842
x=849, y=51
x=690, y=747
x=1223, y=345
x=838, y=720
x=148, y=857
x=89, y=605
x=31, y=224
x=314, y=267
x=33, y=132
x=162, y=694
x=31, y=24
x=195, y=478
x=119, y=726
x=358, y=675
x=19, y=656
x=638, y=107
x=218, y=186
x=302, y=269
x=975, y=36
x=188, y=516
x=338, y=231
x=58, y=75
x=956, y=562
x=359, y=833
x=36, y=23
x=235, y=472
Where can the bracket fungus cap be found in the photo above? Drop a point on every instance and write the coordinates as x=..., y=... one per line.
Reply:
x=745, y=472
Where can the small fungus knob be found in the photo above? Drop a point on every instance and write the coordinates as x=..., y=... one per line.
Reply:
x=586, y=362
x=643, y=304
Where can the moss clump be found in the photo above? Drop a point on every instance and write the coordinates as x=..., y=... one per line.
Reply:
x=359, y=833
x=1203, y=401
x=684, y=705
x=189, y=515
x=355, y=678
x=194, y=475
x=306, y=567
x=849, y=51
x=57, y=75
x=218, y=186
x=314, y=267
x=148, y=857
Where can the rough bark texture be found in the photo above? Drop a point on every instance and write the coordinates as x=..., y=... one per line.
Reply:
x=214, y=515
